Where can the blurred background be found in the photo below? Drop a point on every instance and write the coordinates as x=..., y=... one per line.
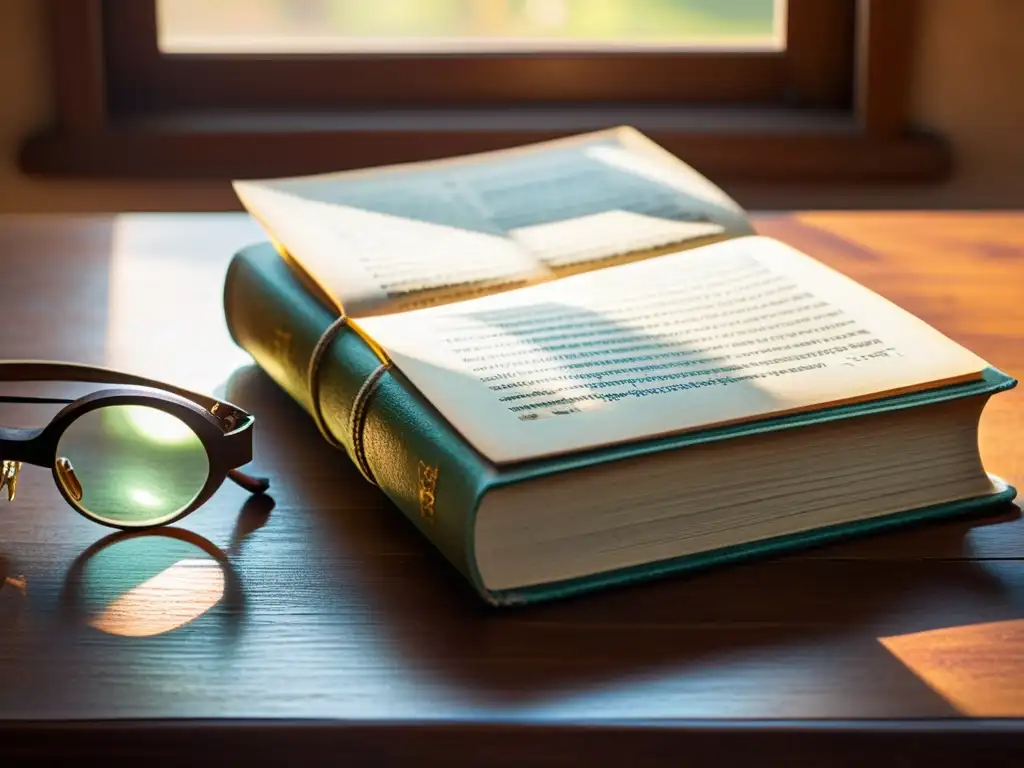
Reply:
x=356, y=25
x=966, y=81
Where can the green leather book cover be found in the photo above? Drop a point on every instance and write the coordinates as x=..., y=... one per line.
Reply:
x=437, y=479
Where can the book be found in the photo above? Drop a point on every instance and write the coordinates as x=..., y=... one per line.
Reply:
x=576, y=364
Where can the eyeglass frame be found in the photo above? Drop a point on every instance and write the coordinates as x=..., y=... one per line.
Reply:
x=223, y=428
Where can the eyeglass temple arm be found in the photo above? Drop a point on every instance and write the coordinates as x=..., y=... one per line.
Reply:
x=35, y=400
x=44, y=370
x=250, y=483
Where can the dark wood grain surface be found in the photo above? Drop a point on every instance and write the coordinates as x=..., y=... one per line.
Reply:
x=321, y=626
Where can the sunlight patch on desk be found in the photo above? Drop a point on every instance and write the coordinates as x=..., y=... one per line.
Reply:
x=978, y=668
x=17, y=583
x=173, y=598
x=182, y=341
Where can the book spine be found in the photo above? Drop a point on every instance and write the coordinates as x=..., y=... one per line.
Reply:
x=418, y=460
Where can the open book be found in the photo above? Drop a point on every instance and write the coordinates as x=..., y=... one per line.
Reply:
x=574, y=363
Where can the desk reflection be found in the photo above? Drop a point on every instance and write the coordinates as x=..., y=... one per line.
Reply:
x=147, y=583
x=18, y=583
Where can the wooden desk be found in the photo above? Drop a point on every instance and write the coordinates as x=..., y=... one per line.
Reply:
x=345, y=636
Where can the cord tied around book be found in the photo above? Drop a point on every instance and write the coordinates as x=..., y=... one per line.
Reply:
x=357, y=417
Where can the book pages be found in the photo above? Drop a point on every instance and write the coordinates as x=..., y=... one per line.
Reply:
x=369, y=262
x=404, y=237
x=737, y=330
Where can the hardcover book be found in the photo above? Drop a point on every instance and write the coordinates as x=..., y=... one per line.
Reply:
x=575, y=364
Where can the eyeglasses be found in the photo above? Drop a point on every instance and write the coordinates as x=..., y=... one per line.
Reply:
x=137, y=455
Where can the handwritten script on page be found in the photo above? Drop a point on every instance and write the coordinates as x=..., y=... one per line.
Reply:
x=730, y=331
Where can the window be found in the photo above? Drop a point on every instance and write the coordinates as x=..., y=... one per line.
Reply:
x=350, y=54
x=748, y=89
x=444, y=26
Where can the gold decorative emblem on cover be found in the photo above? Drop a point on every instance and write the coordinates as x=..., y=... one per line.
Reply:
x=428, y=487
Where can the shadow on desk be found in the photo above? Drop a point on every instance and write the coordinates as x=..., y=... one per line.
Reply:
x=137, y=584
x=814, y=602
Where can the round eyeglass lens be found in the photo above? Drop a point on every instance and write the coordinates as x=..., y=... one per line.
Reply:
x=131, y=465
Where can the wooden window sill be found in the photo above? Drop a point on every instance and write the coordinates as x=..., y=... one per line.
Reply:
x=741, y=144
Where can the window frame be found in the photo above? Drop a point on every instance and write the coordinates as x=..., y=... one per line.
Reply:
x=832, y=106
x=813, y=70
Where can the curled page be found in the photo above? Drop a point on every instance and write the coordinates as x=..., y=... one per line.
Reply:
x=404, y=237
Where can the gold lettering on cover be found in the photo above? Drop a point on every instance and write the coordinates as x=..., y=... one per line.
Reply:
x=427, y=489
x=282, y=344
